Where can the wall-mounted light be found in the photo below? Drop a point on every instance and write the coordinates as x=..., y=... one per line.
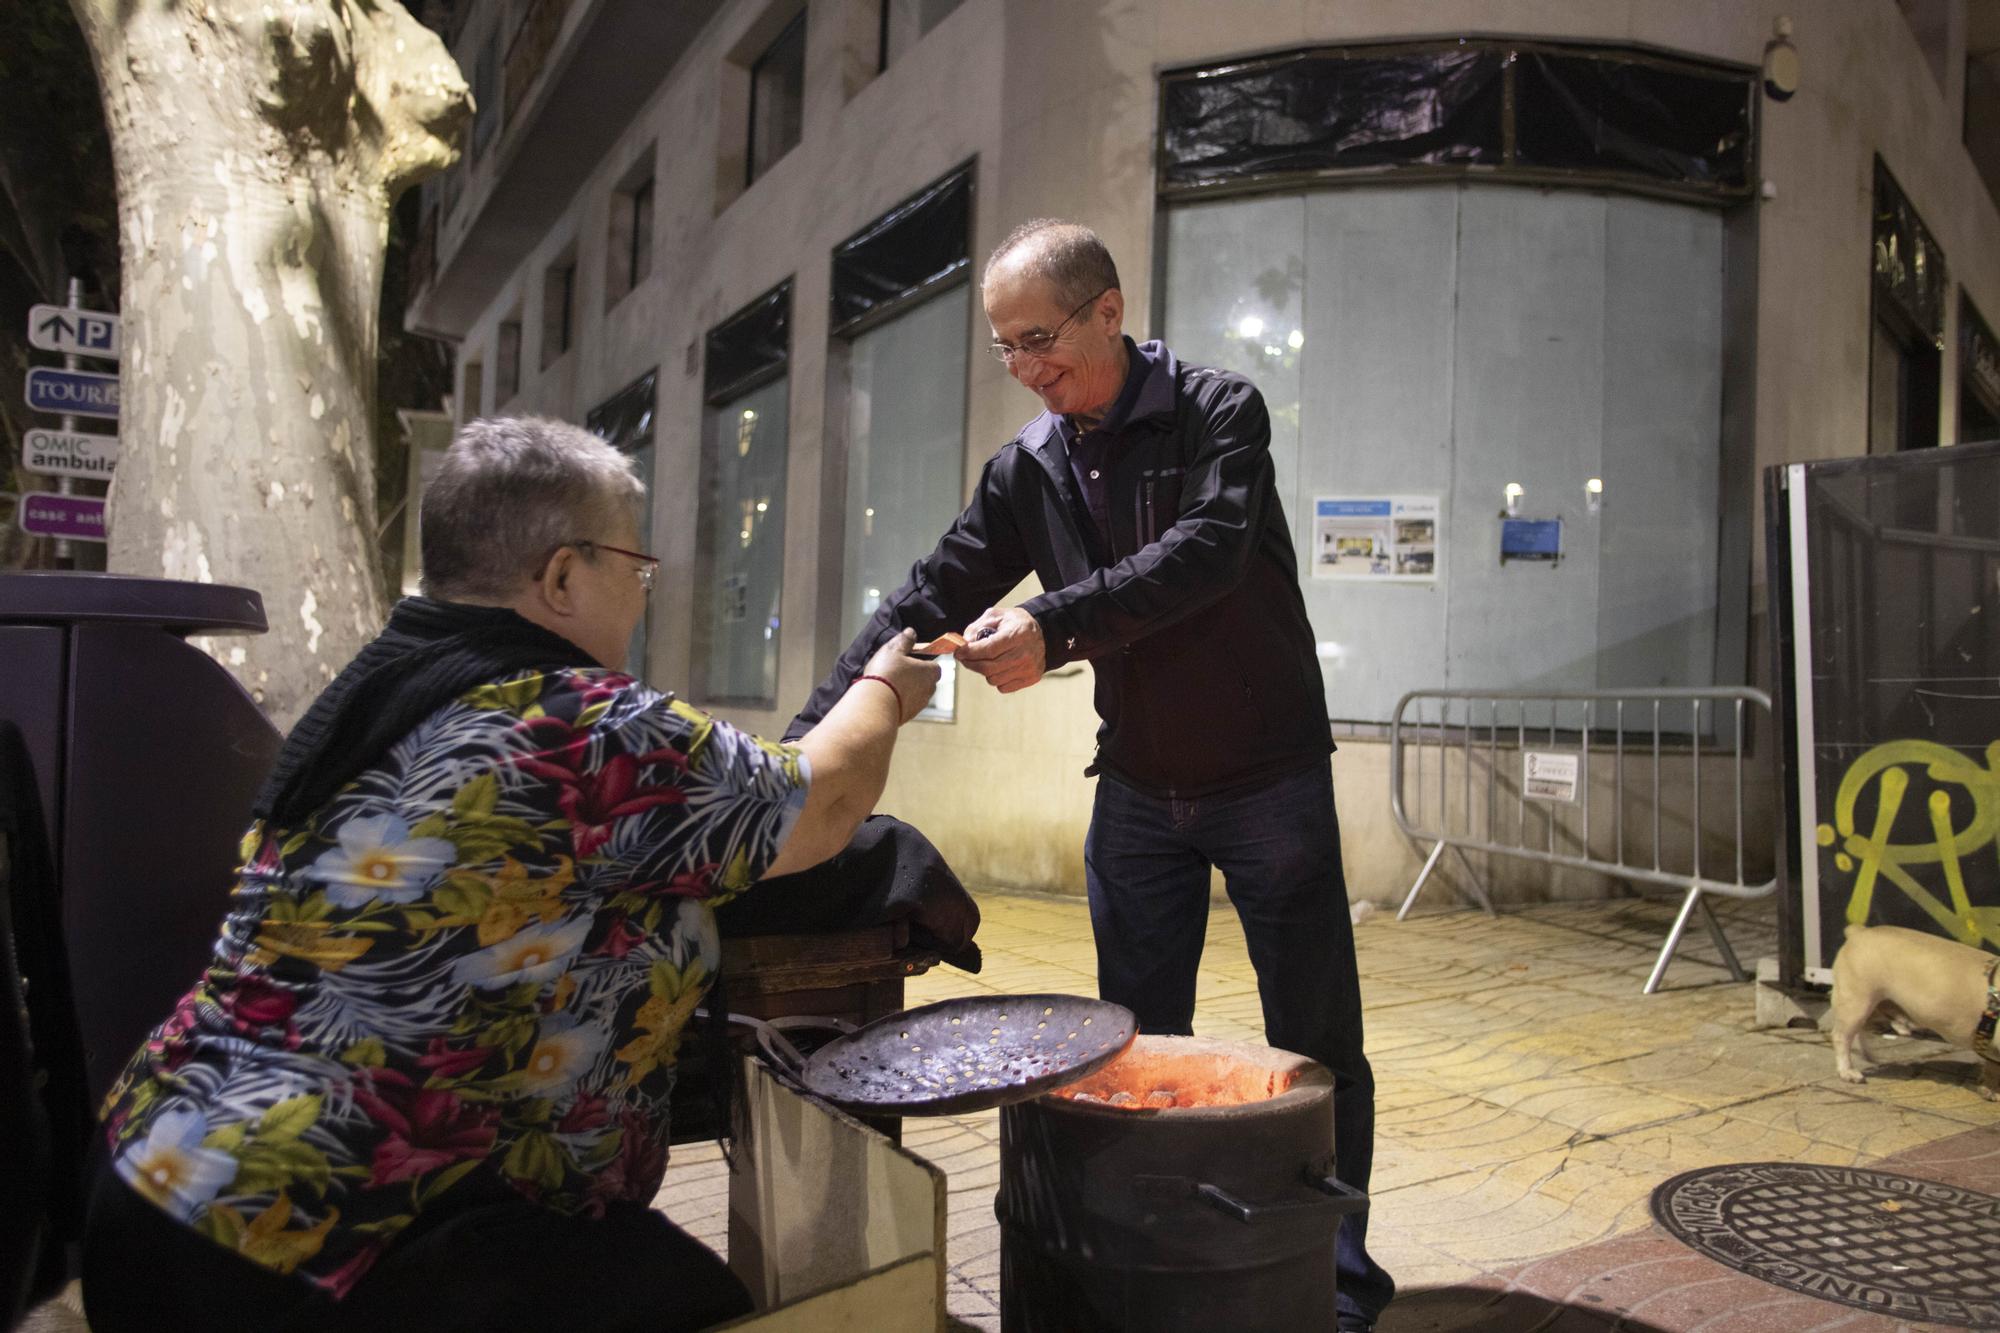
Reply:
x=1514, y=492
x=1781, y=63
x=1593, y=494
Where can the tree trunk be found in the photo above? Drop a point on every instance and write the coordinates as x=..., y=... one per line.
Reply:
x=258, y=147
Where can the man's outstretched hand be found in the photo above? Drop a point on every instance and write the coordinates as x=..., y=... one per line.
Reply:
x=1005, y=646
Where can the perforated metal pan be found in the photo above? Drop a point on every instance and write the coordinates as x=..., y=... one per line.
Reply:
x=959, y=1055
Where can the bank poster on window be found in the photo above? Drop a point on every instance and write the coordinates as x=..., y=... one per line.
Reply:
x=1379, y=538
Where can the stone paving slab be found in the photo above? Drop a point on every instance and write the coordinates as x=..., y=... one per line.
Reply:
x=1529, y=1100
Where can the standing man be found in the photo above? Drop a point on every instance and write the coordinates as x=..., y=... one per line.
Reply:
x=1143, y=498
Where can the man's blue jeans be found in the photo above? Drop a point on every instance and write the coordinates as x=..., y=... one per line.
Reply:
x=1277, y=844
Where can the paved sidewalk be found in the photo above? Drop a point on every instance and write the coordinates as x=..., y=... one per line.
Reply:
x=1530, y=1098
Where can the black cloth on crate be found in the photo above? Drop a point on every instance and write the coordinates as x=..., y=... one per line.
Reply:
x=887, y=872
x=505, y=1262
x=428, y=654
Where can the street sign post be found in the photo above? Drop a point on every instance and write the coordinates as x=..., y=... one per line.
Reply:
x=69, y=453
x=55, y=328
x=79, y=392
x=77, y=518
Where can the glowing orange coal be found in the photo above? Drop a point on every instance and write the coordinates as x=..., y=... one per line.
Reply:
x=1153, y=1076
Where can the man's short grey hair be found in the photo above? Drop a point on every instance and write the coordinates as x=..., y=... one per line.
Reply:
x=510, y=491
x=1066, y=255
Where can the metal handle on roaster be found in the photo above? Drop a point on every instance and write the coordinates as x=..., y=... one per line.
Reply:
x=771, y=1039
x=1334, y=1196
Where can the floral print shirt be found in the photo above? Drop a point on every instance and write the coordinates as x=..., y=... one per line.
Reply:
x=477, y=958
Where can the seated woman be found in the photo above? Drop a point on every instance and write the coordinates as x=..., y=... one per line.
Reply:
x=423, y=1082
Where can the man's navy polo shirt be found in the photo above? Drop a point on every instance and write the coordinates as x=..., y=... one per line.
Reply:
x=1149, y=389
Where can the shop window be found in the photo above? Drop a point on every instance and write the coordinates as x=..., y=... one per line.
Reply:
x=485, y=93
x=777, y=99
x=1903, y=373
x=740, y=520
x=507, y=359
x=1905, y=364
x=905, y=454
x=628, y=250
x=1428, y=353
x=625, y=420
x=558, y=308
x=904, y=23
x=901, y=310
x=1978, y=376
x=472, y=392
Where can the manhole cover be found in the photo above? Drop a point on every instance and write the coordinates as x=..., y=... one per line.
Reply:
x=1892, y=1244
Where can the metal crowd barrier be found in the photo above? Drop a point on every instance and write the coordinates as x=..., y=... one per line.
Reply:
x=1647, y=737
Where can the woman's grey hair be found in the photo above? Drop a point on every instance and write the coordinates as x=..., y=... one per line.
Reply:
x=1066, y=255
x=510, y=491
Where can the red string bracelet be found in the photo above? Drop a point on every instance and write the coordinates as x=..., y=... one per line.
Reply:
x=884, y=680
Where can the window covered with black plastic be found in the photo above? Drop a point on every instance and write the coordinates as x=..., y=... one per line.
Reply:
x=1594, y=115
x=919, y=245
x=1597, y=112
x=625, y=419
x=1331, y=111
x=749, y=348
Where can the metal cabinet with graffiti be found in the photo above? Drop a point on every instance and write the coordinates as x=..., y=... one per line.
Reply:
x=1885, y=607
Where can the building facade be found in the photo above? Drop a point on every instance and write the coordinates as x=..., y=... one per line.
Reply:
x=1589, y=265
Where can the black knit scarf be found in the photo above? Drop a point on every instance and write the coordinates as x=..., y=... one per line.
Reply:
x=428, y=654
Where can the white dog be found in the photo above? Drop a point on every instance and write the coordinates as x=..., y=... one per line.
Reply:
x=1922, y=981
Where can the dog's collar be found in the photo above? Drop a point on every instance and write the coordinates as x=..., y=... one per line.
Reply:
x=1989, y=1018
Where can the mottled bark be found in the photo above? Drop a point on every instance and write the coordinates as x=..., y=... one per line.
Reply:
x=258, y=147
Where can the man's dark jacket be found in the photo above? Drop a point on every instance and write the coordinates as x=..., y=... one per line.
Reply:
x=1188, y=610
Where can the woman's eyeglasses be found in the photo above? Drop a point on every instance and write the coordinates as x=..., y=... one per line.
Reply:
x=649, y=565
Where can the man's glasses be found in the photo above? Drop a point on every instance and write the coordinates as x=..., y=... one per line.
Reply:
x=1038, y=344
x=649, y=565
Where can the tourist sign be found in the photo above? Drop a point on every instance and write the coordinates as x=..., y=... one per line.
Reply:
x=81, y=392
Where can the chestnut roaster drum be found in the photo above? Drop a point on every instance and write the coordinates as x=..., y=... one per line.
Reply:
x=1186, y=1185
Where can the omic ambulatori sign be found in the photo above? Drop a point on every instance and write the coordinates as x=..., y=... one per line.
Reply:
x=69, y=453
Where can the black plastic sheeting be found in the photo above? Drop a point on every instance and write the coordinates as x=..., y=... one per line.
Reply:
x=917, y=246
x=1602, y=115
x=1333, y=111
x=1599, y=113
x=625, y=419
x=750, y=348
